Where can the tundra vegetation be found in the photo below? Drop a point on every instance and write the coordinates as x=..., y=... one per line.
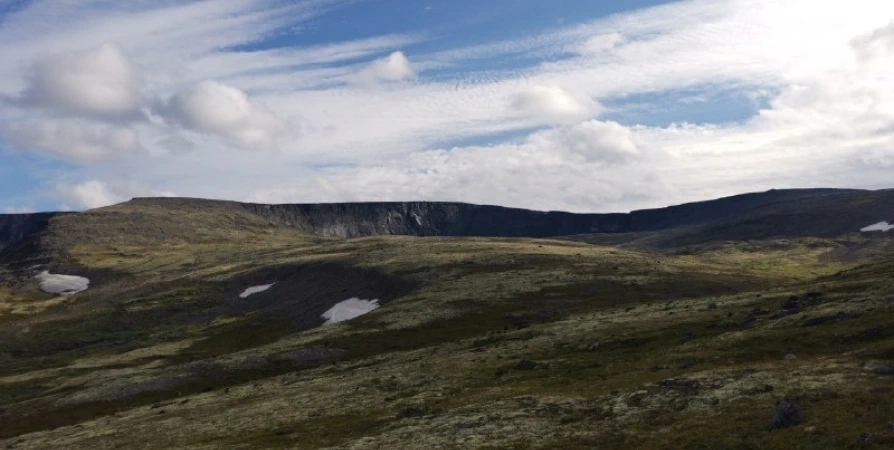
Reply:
x=647, y=341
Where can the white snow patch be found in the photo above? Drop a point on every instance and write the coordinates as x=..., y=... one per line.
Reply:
x=881, y=226
x=255, y=290
x=62, y=284
x=349, y=309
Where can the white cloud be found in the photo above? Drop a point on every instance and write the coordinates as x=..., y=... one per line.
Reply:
x=394, y=67
x=97, y=82
x=553, y=104
x=216, y=108
x=75, y=140
x=96, y=194
x=592, y=166
x=593, y=141
x=602, y=43
x=824, y=81
x=89, y=194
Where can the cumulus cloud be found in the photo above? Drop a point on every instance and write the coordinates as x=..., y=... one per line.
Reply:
x=75, y=140
x=592, y=166
x=219, y=109
x=593, y=141
x=552, y=103
x=394, y=67
x=825, y=119
x=90, y=194
x=98, y=82
x=96, y=194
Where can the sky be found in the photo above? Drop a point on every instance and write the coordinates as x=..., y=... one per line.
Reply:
x=586, y=106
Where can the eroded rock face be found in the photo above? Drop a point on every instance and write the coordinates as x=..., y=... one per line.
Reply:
x=462, y=219
x=435, y=219
x=15, y=228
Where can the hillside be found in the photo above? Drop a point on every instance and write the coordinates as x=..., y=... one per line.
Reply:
x=825, y=216
x=206, y=324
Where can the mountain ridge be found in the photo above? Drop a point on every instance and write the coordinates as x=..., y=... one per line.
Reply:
x=422, y=218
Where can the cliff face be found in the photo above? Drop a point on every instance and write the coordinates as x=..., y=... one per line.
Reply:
x=352, y=220
x=15, y=228
x=434, y=219
x=460, y=219
x=161, y=218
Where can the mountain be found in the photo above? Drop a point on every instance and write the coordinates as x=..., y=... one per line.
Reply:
x=213, y=324
x=351, y=220
x=823, y=216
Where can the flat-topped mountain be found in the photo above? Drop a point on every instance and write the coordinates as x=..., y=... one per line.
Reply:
x=797, y=212
x=217, y=312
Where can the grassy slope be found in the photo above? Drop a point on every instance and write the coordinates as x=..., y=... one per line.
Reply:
x=149, y=359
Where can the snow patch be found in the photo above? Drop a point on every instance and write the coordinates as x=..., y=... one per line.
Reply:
x=62, y=284
x=881, y=226
x=255, y=290
x=349, y=309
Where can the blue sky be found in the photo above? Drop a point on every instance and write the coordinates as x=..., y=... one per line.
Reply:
x=574, y=105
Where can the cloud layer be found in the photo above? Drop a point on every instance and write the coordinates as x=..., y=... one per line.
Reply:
x=613, y=113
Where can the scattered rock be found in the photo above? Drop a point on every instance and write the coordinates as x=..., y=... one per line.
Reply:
x=681, y=385
x=757, y=390
x=525, y=364
x=790, y=357
x=752, y=316
x=788, y=414
x=872, y=333
x=591, y=347
x=822, y=320
x=635, y=400
x=411, y=412
x=679, y=404
x=865, y=439
x=795, y=303
x=712, y=306
x=469, y=424
x=887, y=369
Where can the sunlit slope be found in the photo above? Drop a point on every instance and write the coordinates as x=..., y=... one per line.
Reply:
x=507, y=343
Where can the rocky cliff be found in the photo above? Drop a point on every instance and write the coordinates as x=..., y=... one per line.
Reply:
x=184, y=217
x=462, y=219
x=15, y=228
